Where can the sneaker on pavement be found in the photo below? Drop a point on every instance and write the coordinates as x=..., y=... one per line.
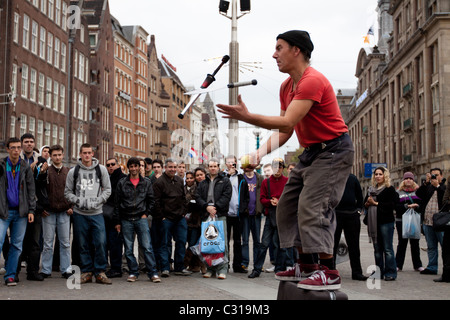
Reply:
x=184, y=272
x=165, y=273
x=297, y=272
x=102, y=278
x=132, y=278
x=272, y=269
x=323, y=279
x=86, y=277
x=155, y=278
x=222, y=276
x=10, y=282
x=207, y=275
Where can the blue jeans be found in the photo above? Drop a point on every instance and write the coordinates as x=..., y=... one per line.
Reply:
x=250, y=224
x=60, y=222
x=140, y=227
x=384, y=250
x=18, y=226
x=177, y=230
x=91, y=229
x=433, y=238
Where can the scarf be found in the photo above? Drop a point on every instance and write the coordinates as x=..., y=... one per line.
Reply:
x=12, y=175
x=372, y=213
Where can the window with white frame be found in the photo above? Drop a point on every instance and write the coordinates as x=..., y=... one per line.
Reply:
x=48, y=128
x=23, y=124
x=74, y=103
x=32, y=126
x=75, y=64
x=63, y=57
x=48, y=93
x=64, y=16
x=24, y=84
x=40, y=133
x=33, y=78
x=80, y=105
x=16, y=27
x=41, y=89
x=51, y=9
x=26, y=32
x=12, y=128
x=62, y=98
x=49, y=48
x=55, y=95
x=14, y=77
x=42, y=36
x=44, y=6
x=81, y=67
x=61, y=136
x=34, y=37
x=57, y=48
x=54, y=134
x=58, y=12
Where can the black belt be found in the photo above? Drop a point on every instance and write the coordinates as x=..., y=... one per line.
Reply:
x=323, y=145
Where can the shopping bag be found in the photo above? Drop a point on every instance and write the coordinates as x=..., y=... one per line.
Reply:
x=210, y=259
x=212, y=238
x=411, y=224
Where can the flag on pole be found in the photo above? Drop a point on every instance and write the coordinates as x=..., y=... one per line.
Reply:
x=369, y=34
x=192, y=153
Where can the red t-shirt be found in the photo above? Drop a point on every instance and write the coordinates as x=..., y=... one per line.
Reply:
x=324, y=121
x=134, y=181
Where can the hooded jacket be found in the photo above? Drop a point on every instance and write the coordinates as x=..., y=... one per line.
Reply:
x=27, y=197
x=89, y=197
x=222, y=194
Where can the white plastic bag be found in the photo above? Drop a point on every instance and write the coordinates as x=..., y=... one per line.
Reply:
x=411, y=224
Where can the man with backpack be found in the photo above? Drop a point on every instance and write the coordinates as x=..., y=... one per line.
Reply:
x=88, y=187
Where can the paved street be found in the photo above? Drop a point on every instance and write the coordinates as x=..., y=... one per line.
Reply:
x=410, y=285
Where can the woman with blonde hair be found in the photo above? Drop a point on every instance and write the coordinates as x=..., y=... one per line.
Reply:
x=380, y=203
x=407, y=200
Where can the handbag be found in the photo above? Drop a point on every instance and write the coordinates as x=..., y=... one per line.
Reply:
x=212, y=238
x=411, y=224
x=441, y=221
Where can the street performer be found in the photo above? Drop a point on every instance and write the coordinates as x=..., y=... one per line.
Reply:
x=305, y=212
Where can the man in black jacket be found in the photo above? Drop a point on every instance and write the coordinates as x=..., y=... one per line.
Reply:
x=133, y=203
x=213, y=196
x=170, y=205
x=114, y=241
x=431, y=192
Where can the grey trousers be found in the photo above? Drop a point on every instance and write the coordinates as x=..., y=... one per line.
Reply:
x=305, y=211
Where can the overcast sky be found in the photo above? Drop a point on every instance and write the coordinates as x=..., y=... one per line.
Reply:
x=189, y=33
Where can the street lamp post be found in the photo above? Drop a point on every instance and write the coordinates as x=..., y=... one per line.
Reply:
x=233, y=126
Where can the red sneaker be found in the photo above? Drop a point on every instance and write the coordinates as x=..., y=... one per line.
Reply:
x=297, y=273
x=323, y=279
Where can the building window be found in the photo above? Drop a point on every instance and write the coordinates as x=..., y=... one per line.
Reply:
x=32, y=126
x=12, y=129
x=42, y=43
x=63, y=57
x=50, y=9
x=41, y=89
x=49, y=48
x=16, y=27
x=80, y=106
x=24, y=86
x=55, y=95
x=54, y=134
x=57, y=48
x=435, y=97
x=14, y=77
x=34, y=37
x=40, y=133
x=64, y=16
x=61, y=136
x=62, y=96
x=44, y=6
x=33, y=78
x=26, y=32
x=58, y=12
x=48, y=93
x=47, y=133
x=23, y=124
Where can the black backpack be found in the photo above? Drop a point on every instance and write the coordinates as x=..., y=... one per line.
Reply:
x=98, y=171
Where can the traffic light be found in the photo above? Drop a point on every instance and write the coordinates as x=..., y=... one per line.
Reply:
x=223, y=6
x=245, y=5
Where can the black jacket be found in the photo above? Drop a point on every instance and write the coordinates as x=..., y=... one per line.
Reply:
x=352, y=199
x=244, y=195
x=425, y=192
x=387, y=201
x=222, y=194
x=170, y=199
x=132, y=202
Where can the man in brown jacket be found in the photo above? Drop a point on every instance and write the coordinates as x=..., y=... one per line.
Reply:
x=56, y=213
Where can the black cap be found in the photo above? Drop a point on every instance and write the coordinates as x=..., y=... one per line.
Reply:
x=298, y=38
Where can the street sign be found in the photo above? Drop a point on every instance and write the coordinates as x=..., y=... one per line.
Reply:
x=369, y=168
